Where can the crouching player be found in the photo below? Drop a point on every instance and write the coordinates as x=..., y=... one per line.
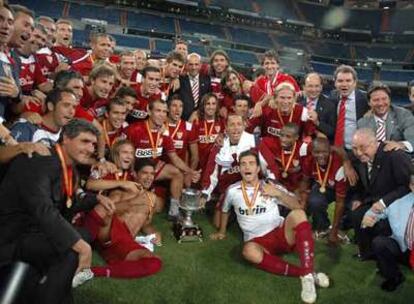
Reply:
x=267, y=234
x=115, y=234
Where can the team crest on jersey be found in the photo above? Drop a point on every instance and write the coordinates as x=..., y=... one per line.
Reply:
x=49, y=59
x=179, y=135
x=331, y=182
x=32, y=68
x=217, y=128
x=295, y=162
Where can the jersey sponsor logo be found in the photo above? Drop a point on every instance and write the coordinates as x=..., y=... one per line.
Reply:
x=138, y=114
x=233, y=170
x=179, y=135
x=210, y=139
x=146, y=153
x=254, y=211
x=273, y=131
x=178, y=144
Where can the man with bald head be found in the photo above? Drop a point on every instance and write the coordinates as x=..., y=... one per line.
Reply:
x=321, y=110
x=384, y=177
x=193, y=86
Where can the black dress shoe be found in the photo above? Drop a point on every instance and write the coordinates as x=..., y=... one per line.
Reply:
x=392, y=284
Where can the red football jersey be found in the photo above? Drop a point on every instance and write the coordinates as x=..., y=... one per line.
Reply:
x=146, y=144
x=30, y=74
x=207, y=132
x=139, y=112
x=290, y=163
x=48, y=61
x=84, y=64
x=265, y=86
x=272, y=121
x=113, y=135
x=182, y=135
x=96, y=107
x=336, y=176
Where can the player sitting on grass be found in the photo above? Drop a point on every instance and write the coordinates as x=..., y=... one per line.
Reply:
x=266, y=233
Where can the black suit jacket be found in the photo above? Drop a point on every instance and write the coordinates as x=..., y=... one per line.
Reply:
x=32, y=201
x=326, y=114
x=187, y=96
x=361, y=103
x=389, y=180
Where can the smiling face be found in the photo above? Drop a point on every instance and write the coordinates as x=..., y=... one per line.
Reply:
x=345, y=83
x=127, y=66
x=210, y=107
x=64, y=110
x=220, y=64
x=37, y=40
x=76, y=85
x=102, y=86
x=151, y=82
x=145, y=176
x=379, y=102
x=233, y=83
x=102, y=48
x=321, y=153
x=234, y=128
x=364, y=148
x=313, y=86
x=288, y=137
x=285, y=100
x=270, y=66
x=158, y=113
x=117, y=115
x=174, y=68
x=125, y=156
x=249, y=169
x=50, y=28
x=193, y=66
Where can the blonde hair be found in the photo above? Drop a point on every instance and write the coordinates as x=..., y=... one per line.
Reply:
x=282, y=86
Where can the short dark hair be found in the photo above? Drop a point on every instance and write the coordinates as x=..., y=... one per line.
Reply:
x=55, y=95
x=243, y=97
x=62, y=78
x=292, y=126
x=251, y=152
x=45, y=18
x=343, y=68
x=378, y=86
x=174, y=97
x=152, y=102
x=126, y=91
x=271, y=54
x=115, y=101
x=77, y=126
x=321, y=141
x=148, y=69
x=143, y=162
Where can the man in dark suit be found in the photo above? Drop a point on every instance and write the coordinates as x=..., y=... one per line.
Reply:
x=193, y=86
x=37, y=202
x=350, y=104
x=321, y=110
x=383, y=178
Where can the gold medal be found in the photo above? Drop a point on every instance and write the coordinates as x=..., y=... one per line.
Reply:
x=322, y=189
x=154, y=144
x=67, y=176
x=286, y=166
x=322, y=181
x=249, y=203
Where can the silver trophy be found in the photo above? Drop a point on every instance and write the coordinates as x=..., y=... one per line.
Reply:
x=185, y=230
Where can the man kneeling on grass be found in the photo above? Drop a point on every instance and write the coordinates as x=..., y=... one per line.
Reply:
x=265, y=232
x=115, y=234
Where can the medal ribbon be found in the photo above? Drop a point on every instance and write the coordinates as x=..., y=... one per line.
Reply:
x=250, y=203
x=151, y=203
x=105, y=129
x=151, y=138
x=176, y=129
x=286, y=167
x=67, y=176
x=323, y=181
x=281, y=119
x=208, y=133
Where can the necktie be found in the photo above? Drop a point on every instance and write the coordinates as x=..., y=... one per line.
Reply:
x=380, y=130
x=340, y=124
x=310, y=105
x=195, y=91
x=409, y=230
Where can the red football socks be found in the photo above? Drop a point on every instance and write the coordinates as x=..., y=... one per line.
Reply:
x=276, y=265
x=304, y=246
x=129, y=269
x=93, y=222
x=412, y=259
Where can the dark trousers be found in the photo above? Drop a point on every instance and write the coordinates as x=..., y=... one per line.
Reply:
x=388, y=255
x=364, y=236
x=318, y=207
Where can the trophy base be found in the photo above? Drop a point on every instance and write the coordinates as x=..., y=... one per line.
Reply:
x=191, y=233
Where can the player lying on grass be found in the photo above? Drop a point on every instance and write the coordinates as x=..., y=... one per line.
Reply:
x=267, y=234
